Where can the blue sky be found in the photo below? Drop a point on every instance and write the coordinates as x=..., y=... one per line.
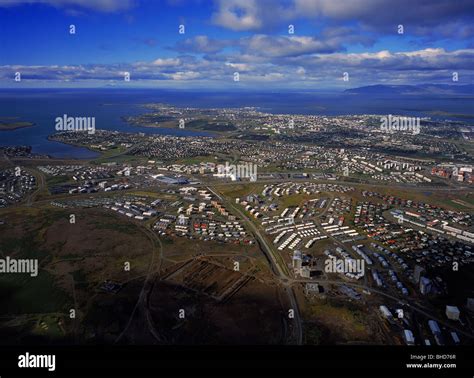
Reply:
x=224, y=37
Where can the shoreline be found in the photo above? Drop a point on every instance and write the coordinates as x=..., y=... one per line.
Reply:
x=75, y=146
x=15, y=126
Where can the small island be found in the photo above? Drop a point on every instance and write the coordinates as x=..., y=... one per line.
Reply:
x=11, y=124
x=163, y=115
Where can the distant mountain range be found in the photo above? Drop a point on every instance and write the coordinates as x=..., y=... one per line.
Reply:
x=427, y=89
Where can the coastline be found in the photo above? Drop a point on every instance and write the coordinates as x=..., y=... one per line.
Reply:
x=15, y=125
x=99, y=154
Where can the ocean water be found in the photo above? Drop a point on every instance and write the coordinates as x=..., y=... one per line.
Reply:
x=109, y=105
x=43, y=106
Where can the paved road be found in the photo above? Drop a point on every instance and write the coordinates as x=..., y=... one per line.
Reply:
x=277, y=264
x=142, y=299
x=41, y=185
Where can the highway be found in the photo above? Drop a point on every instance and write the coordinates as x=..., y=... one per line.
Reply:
x=278, y=266
x=147, y=285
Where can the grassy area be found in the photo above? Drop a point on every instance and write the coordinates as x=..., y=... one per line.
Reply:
x=150, y=194
x=312, y=334
x=294, y=200
x=25, y=248
x=90, y=251
x=318, y=247
x=111, y=152
x=345, y=321
x=115, y=155
x=209, y=125
x=240, y=190
x=47, y=325
x=56, y=180
x=196, y=160
x=120, y=227
x=442, y=199
x=21, y=293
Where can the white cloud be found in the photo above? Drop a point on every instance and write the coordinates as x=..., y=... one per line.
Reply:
x=188, y=75
x=239, y=66
x=202, y=44
x=238, y=15
x=418, y=66
x=421, y=17
x=166, y=62
x=278, y=46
